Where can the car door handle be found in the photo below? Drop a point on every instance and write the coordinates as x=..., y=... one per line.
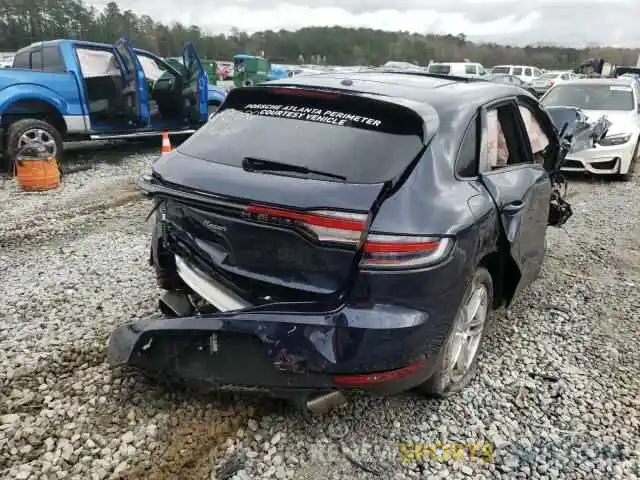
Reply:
x=513, y=207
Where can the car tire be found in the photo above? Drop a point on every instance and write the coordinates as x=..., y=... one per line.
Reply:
x=625, y=177
x=30, y=126
x=451, y=373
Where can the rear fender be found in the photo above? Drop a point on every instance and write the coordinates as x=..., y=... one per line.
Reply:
x=31, y=92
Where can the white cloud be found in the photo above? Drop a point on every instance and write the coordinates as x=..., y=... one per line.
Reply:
x=569, y=22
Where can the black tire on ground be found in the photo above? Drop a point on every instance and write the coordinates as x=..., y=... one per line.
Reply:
x=625, y=177
x=19, y=128
x=442, y=383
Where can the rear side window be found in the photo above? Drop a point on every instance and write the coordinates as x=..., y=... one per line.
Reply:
x=501, y=70
x=51, y=59
x=440, y=69
x=361, y=140
x=467, y=162
x=36, y=59
x=539, y=140
x=22, y=60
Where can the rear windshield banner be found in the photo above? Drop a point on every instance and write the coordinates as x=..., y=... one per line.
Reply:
x=311, y=114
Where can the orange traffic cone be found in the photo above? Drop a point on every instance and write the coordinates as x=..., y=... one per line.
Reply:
x=166, y=143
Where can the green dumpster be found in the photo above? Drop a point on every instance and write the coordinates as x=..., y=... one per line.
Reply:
x=249, y=70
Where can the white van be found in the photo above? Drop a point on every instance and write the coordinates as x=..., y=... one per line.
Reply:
x=526, y=73
x=462, y=69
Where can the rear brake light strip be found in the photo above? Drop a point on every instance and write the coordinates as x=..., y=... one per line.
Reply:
x=380, y=251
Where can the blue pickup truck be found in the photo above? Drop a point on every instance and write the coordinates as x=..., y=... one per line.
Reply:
x=69, y=90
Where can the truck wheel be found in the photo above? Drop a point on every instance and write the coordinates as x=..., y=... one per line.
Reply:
x=29, y=131
x=456, y=361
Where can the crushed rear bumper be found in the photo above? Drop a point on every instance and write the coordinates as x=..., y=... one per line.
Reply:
x=282, y=351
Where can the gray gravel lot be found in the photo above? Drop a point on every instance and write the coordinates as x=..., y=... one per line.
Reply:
x=557, y=393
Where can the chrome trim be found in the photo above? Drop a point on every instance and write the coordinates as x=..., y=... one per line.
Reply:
x=212, y=291
x=118, y=136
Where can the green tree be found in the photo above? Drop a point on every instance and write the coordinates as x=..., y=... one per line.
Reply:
x=26, y=21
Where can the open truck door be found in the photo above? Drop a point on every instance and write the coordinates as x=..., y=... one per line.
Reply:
x=135, y=91
x=195, y=90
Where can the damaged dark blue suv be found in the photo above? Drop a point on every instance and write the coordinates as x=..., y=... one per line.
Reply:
x=347, y=231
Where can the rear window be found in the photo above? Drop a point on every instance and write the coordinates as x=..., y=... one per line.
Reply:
x=362, y=140
x=440, y=69
x=500, y=69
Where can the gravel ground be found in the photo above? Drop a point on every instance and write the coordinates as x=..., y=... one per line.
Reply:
x=557, y=392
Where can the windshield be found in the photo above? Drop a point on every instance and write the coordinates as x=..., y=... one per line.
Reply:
x=591, y=97
x=439, y=68
x=500, y=70
x=152, y=70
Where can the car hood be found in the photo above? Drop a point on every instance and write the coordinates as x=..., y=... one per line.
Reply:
x=621, y=122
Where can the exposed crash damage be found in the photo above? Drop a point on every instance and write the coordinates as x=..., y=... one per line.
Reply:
x=576, y=133
x=342, y=232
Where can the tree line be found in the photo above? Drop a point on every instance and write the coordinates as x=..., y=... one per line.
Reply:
x=25, y=21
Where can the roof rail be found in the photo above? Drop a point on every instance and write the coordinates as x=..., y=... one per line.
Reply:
x=457, y=78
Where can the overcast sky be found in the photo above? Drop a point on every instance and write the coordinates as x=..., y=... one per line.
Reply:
x=520, y=22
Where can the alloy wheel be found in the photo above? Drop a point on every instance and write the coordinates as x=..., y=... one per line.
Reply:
x=38, y=136
x=468, y=333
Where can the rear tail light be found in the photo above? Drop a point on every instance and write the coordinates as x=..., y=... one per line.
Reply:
x=300, y=92
x=403, y=251
x=339, y=227
x=379, y=251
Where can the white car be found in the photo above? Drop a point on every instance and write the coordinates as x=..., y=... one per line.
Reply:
x=460, y=69
x=526, y=73
x=619, y=100
x=548, y=79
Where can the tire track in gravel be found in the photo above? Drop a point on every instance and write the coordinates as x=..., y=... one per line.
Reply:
x=74, y=222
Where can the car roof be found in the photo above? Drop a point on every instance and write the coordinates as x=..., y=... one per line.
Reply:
x=444, y=93
x=454, y=63
x=601, y=81
x=78, y=42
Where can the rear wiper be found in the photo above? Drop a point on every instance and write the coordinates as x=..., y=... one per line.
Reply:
x=252, y=164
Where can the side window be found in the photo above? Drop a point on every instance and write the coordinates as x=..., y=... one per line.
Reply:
x=503, y=144
x=36, y=59
x=52, y=60
x=95, y=62
x=541, y=146
x=527, y=72
x=470, y=69
x=467, y=161
x=22, y=60
x=516, y=71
